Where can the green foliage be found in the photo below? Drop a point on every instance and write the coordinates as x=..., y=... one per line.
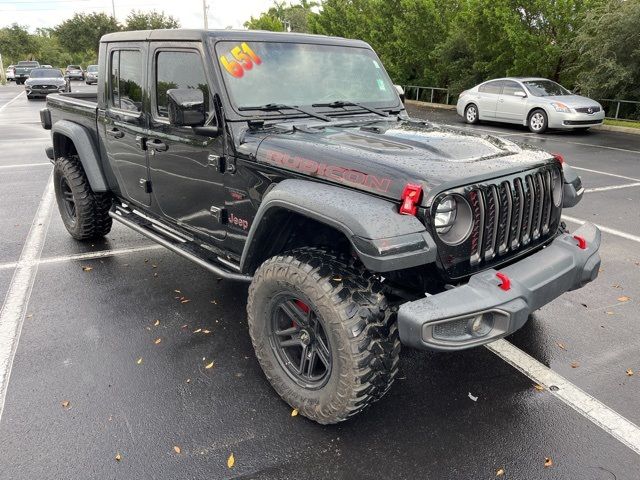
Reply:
x=138, y=20
x=16, y=44
x=282, y=17
x=82, y=32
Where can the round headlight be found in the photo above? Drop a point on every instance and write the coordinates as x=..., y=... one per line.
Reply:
x=453, y=219
x=556, y=186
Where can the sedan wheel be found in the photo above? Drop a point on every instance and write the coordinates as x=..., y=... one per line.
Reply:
x=538, y=121
x=471, y=114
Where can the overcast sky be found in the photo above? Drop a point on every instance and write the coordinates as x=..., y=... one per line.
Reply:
x=48, y=13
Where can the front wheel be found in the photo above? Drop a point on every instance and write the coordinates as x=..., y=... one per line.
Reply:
x=538, y=121
x=323, y=333
x=471, y=114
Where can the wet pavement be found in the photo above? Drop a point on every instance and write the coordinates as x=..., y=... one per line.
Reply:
x=89, y=338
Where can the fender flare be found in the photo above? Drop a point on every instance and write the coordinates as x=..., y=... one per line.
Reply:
x=87, y=151
x=383, y=239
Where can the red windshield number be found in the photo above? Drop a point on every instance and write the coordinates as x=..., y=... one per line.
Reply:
x=244, y=59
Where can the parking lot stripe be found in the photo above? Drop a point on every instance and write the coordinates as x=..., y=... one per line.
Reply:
x=612, y=231
x=11, y=101
x=15, y=303
x=612, y=187
x=605, y=173
x=19, y=165
x=86, y=256
x=604, y=417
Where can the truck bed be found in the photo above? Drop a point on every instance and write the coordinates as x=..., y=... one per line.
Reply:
x=76, y=107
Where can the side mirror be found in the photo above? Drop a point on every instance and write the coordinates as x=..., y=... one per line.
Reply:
x=520, y=93
x=400, y=91
x=186, y=107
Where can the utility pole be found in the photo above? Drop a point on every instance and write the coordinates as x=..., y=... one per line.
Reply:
x=205, y=9
x=113, y=8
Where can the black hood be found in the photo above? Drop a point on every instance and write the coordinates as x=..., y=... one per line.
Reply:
x=383, y=156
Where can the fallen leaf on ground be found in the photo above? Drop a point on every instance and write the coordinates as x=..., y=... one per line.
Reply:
x=475, y=399
x=177, y=449
x=500, y=472
x=188, y=380
x=209, y=365
x=629, y=372
x=337, y=279
x=561, y=345
x=609, y=312
x=184, y=327
x=87, y=269
x=548, y=462
x=231, y=461
x=186, y=300
x=139, y=361
x=118, y=457
x=624, y=298
x=539, y=388
x=575, y=364
x=65, y=404
x=214, y=302
x=206, y=331
x=154, y=266
x=157, y=322
x=197, y=331
x=157, y=341
x=294, y=412
x=177, y=291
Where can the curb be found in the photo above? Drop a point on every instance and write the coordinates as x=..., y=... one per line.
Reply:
x=615, y=128
x=440, y=106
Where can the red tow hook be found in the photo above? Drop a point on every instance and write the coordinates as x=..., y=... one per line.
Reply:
x=582, y=243
x=506, y=283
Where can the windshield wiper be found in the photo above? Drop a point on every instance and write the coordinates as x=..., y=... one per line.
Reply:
x=347, y=103
x=270, y=107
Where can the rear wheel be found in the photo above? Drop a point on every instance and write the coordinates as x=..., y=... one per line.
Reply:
x=538, y=121
x=323, y=333
x=85, y=214
x=471, y=114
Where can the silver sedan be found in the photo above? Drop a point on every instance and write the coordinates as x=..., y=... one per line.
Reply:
x=534, y=102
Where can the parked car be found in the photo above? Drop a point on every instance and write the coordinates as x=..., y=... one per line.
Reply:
x=23, y=70
x=313, y=185
x=74, y=72
x=46, y=66
x=538, y=103
x=92, y=74
x=11, y=73
x=44, y=81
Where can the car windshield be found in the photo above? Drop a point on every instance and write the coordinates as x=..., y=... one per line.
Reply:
x=296, y=74
x=545, y=88
x=92, y=68
x=46, y=73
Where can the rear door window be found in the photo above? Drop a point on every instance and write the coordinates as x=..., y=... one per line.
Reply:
x=179, y=69
x=491, y=87
x=126, y=80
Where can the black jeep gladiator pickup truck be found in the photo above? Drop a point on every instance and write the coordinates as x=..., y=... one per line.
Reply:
x=288, y=161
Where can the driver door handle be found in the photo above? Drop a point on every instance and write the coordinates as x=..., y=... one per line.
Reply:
x=157, y=145
x=115, y=133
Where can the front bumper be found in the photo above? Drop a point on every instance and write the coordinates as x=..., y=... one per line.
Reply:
x=43, y=92
x=575, y=120
x=443, y=321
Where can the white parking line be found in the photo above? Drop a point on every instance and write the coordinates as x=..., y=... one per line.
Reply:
x=604, y=417
x=10, y=101
x=19, y=165
x=85, y=256
x=612, y=187
x=15, y=303
x=612, y=231
x=605, y=173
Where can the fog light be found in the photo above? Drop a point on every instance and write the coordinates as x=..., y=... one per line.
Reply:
x=480, y=325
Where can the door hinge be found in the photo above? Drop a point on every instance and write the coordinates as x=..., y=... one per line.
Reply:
x=218, y=162
x=146, y=184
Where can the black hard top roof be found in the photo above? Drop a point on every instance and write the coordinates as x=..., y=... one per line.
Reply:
x=182, y=34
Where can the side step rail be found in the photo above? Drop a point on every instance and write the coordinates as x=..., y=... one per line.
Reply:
x=119, y=216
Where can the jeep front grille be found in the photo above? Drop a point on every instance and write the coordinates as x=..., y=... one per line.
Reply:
x=510, y=215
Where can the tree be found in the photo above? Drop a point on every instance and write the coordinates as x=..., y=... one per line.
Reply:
x=16, y=44
x=138, y=20
x=293, y=17
x=607, y=46
x=82, y=32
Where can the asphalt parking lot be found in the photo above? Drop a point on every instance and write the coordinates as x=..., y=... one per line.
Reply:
x=115, y=337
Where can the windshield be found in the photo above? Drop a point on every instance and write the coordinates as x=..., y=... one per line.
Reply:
x=261, y=73
x=46, y=73
x=92, y=68
x=545, y=88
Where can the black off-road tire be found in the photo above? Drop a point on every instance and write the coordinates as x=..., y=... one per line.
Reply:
x=91, y=219
x=360, y=328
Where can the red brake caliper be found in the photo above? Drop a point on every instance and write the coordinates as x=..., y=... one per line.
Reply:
x=302, y=306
